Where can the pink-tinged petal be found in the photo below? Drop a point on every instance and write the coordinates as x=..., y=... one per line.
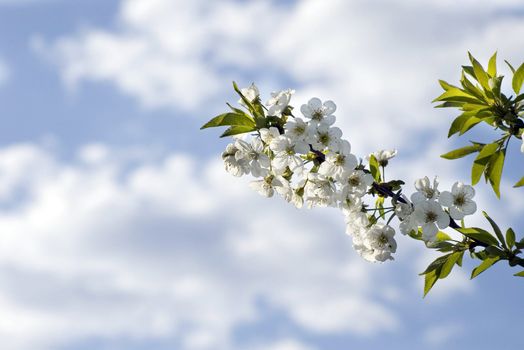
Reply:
x=443, y=220
x=469, y=207
x=446, y=199
x=329, y=107
x=455, y=213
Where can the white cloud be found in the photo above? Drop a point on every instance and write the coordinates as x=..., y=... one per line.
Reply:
x=440, y=335
x=379, y=61
x=168, y=249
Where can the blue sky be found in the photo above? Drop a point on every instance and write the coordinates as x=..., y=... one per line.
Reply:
x=121, y=230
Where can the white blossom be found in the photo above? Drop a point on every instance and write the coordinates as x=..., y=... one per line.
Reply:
x=429, y=214
x=297, y=129
x=267, y=135
x=266, y=186
x=234, y=166
x=348, y=202
x=251, y=93
x=357, y=182
x=287, y=153
x=383, y=156
x=319, y=191
x=278, y=102
x=319, y=113
x=380, y=243
x=424, y=190
x=404, y=212
x=459, y=200
x=326, y=137
x=253, y=154
x=338, y=164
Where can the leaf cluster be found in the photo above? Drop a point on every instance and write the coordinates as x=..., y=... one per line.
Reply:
x=480, y=100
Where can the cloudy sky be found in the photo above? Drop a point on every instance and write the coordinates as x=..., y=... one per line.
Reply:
x=119, y=228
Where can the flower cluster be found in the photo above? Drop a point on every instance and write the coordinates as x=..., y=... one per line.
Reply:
x=426, y=208
x=307, y=162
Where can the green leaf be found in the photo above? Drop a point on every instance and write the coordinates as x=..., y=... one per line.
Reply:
x=494, y=171
x=510, y=66
x=518, y=79
x=519, y=183
x=480, y=73
x=446, y=86
x=456, y=95
x=429, y=281
x=228, y=119
x=479, y=234
x=374, y=168
x=492, y=65
x=519, y=274
x=480, y=163
x=448, y=264
x=461, y=152
x=237, y=129
x=484, y=265
x=456, y=126
x=510, y=238
x=496, y=228
x=254, y=107
x=469, y=123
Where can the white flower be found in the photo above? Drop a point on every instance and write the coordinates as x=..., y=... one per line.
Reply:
x=234, y=166
x=429, y=215
x=357, y=182
x=319, y=191
x=286, y=153
x=348, y=202
x=326, y=137
x=356, y=224
x=267, y=135
x=297, y=129
x=266, y=187
x=254, y=156
x=404, y=212
x=251, y=93
x=318, y=112
x=459, y=200
x=383, y=156
x=424, y=190
x=278, y=102
x=380, y=243
x=338, y=164
x=292, y=195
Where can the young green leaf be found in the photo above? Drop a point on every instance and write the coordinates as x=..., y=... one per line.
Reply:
x=374, y=168
x=456, y=95
x=492, y=65
x=484, y=265
x=510, y=66
x=237, y=129
x=429, y=281
x=461, y=152
x=518, y=79
x=229, y=119
x=456, y=126
x=496, y=228
x=480, y=163
x=519, y=274
x=494, y=171
x=479, y=234
x=480, y=73
x=520, y=183
x=510, y=238
x=448, y=264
